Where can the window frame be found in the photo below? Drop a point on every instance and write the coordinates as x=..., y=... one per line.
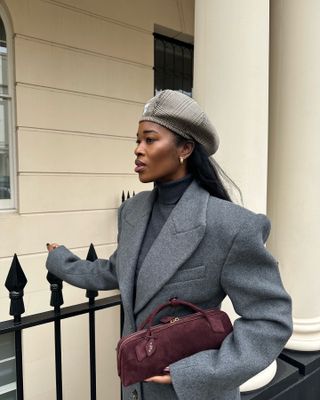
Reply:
x=10, y=204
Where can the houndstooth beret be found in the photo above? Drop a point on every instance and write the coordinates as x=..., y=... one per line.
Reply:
x=182, y=115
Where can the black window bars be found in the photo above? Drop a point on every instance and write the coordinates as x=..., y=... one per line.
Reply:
x=173, y=64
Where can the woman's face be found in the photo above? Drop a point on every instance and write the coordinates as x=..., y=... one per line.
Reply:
x=157, y=154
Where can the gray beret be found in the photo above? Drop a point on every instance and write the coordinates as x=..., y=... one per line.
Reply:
x=182, y=115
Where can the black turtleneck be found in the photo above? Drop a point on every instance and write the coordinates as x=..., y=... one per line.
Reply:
x=167, y=196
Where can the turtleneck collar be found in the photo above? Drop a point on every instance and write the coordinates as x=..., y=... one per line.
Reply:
x=170, y=192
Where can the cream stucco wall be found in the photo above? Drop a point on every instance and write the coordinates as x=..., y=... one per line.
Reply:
x=83, y=70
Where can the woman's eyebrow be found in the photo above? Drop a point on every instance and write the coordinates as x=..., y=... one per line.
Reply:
x=148, y=131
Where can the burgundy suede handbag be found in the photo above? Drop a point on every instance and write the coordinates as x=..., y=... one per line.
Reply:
x=150, y=350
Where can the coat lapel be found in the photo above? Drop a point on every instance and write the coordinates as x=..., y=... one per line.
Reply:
x=179, y=237
x=134, y=224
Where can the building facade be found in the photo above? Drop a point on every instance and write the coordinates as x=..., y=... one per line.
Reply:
x=75, y=77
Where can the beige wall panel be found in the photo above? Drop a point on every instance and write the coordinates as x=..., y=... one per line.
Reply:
x=25, y=234
x=38, y=356
x=75, y=192
x=59, y=152
x=108, y=334
x=46, y=21
x=41, y=64
x=75, y=353
x=143, y=13
x=37, y=290
x=63, y=110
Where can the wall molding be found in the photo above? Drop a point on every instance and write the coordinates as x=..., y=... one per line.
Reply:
x=101, y=17
x=76, y=92
x=81, y=50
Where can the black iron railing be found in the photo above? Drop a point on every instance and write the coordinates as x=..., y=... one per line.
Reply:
x=16, y=282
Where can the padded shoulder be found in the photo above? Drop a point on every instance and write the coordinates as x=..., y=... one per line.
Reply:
x=230, y=218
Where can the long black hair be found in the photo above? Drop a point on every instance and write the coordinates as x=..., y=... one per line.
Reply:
x=207, y=172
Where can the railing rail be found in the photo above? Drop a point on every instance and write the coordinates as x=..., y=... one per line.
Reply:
x=66, y=312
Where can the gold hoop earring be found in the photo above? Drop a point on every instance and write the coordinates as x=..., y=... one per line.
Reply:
x=181, y=160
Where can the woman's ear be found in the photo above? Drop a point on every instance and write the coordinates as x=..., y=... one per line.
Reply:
x=186, y=149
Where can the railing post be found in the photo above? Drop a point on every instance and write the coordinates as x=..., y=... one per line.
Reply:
x=123, y=197
x=15, y=283
x=56, y=301
x=91, y=294
x=91, y=256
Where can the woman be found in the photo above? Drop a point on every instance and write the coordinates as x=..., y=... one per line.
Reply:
x=186, y=239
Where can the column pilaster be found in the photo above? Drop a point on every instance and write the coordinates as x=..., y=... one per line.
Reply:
x=231, y=67
x=294, y=161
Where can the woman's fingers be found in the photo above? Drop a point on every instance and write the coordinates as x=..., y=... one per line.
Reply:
x=52, y=246
x=166, y=379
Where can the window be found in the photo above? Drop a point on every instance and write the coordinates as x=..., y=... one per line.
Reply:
x=173, y=64
x=7, y=180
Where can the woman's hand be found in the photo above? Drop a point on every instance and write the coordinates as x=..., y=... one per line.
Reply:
x=52, y=246
x=166, y=379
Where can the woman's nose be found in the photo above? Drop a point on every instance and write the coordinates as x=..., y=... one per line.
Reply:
x=138, y=150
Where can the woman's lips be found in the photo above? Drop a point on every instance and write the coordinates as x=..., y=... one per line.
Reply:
x=140, y=166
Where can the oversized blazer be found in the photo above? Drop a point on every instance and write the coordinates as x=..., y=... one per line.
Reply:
x=207, y=249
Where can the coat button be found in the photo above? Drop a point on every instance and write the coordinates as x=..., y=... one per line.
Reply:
x=134, y=395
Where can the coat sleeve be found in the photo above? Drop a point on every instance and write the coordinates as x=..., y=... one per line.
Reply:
x=250, y=277
x=93, y=275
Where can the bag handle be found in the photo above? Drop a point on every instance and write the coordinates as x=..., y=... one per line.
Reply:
x=216, y=327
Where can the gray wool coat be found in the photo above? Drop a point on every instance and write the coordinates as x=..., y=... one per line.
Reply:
x=207, y=249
